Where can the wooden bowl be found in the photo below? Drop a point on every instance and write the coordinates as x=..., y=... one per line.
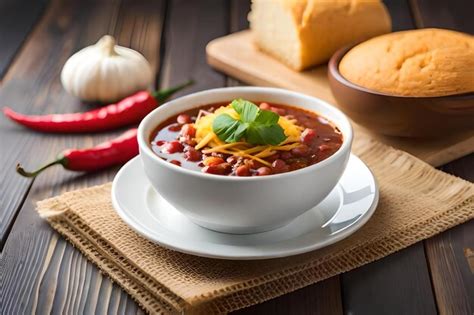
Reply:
x=400, y=115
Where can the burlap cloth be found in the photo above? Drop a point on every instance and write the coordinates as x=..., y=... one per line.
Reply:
x=416, y=202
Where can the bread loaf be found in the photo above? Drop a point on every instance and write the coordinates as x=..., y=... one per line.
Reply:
x=304, y=33
x=424, y=62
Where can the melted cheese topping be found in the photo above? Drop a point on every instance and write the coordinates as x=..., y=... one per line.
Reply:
x=206, y=138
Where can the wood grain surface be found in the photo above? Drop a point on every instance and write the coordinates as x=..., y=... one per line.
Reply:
x=13, y=32
x=32, y=86
x=15, y=25
x=41, y=272
x=396, y=284
x=452, y=14
x=401, y=15
x=451, y=271
x=44, y=274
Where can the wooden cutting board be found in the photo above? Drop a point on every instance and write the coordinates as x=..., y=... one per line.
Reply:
x=236, y=55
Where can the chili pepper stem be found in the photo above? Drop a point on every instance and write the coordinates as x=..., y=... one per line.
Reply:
x=163, y=95
x=20, y=170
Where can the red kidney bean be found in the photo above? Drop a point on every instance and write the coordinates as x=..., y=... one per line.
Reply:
x=192, y=154
x=285, y=155
x=160, y=142
x=172, y=147
x=279, y=111
x=279, y=166
x=308, y=135
x=301, y=150
x=220, y=169
x=213, y=160
x=242, y=170
x=265, y=106
x=226, y=167
x=175, y=162
x=188, y=130
x=272, y=157
x=183, y=119
x=174, y=128
x=189, y=141
x=262, y=171
x=232, y=159
x=253, y=164
x=213, y=169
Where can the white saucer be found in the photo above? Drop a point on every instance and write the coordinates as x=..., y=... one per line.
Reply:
x=347, y=208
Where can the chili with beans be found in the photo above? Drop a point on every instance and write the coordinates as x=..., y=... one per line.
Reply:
x=174, y=141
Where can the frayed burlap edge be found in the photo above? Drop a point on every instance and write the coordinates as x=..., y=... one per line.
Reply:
x=156, y=298
x=274, y=285
x=152, y=297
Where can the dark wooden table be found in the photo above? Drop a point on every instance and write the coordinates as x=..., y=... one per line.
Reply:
x=42, y=273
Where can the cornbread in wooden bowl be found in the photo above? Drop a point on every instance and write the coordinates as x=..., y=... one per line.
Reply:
x=414, y=83
x=304, y=33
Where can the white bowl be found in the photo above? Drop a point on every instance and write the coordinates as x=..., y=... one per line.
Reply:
x=243, y=205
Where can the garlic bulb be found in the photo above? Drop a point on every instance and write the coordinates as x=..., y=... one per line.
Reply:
x=106, y=72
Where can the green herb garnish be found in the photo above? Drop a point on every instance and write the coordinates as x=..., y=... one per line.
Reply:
x=256, y=126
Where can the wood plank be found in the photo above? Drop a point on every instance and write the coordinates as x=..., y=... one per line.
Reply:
x=320, y=298
x=452, y=274
x=59, y=279
x=15, y=25
x=14, y=29
x=190, y=26
x=400, y=14
x=315, y=299
x=451, y=256
x=453, y=14
x=399, y=283
x=461, y=168
x=43, y=275
x=33, y=86
x=239, y=10
x=396, y=284
x=238, y=16
x=451, y=263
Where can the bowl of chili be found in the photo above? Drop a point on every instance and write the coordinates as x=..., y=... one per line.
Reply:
x=244, y=159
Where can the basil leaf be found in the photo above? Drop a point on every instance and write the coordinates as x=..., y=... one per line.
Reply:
x=267, y=117
x=239, y=133
x=265, y=134
x=224, y=126
x=248, y=111
x=257, y=126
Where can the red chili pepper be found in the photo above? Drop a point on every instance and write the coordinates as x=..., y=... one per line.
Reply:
x=106, y=154
x=130, y=110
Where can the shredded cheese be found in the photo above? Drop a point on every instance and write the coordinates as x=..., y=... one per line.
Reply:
x=206, y=138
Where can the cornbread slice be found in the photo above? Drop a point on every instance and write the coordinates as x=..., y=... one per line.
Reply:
x=421, y=63
x=304, y=33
